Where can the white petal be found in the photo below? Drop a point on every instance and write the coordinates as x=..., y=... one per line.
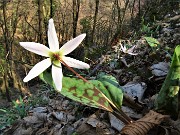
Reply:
x=52, y=37
x=38, y=69
x=123, y=48
x=131, y=49
x=36, y=48
x=133, y=53
x=72, y=44
x=75, y=63
x=57, y=76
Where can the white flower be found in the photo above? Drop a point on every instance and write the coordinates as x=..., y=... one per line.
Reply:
x=54, y=56
x=128, y=51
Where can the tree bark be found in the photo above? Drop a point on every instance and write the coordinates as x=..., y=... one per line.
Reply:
x=40, y=21
x=7, y=51
x=76, y=7
x=95, y=19
x=9, y=34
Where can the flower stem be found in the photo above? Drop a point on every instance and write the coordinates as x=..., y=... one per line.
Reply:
x=71, y=69
x=126, y=119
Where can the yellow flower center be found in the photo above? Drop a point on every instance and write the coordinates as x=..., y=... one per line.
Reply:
x=55, y=57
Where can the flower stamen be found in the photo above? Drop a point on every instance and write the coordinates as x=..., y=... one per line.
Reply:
x=56, y=56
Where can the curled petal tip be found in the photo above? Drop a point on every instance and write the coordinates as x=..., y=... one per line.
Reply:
x=50, y=20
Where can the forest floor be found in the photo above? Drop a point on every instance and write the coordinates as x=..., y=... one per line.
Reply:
x=141, y=76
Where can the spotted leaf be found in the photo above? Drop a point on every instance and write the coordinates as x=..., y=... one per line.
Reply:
x=83, y=92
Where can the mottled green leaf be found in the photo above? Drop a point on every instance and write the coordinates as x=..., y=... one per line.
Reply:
x=78, y=90
x=113, y=89
x=152, y=41
x=168, y=95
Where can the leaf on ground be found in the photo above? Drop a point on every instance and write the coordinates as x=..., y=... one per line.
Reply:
x=86, y=129
x=131, y=113
x=39, y=110
x=175, y=124
x=63, y=117
x=115, y=122
x=93, y=126
x=12, y=128
x=57, y=130
x=160, y=69
x=103, y=128
x=135, y=89
x=23, y=131
x=143, y=125
x=152, y=41
x=32, y=120
x=42, y=131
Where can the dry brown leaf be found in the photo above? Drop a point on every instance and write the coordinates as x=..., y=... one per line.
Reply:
x=103, y=128
x=93, y=126
x=86, y=129
x=42, y=131
x=41, y=116
x=39, y=110
x=115, y=122
x=31, y=120
x=13, y=127
x=88, y=126
x=57, y=130
x=175, y=125
x=167, y=130
x=22, y=131
x=143, y=125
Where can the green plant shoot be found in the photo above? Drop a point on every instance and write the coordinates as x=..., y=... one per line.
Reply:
x=152, y=41
x=168, y=95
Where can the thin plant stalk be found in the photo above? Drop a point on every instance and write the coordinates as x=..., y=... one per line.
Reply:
x=126, y=119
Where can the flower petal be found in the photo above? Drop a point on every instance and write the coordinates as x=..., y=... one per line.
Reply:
x=75, y=63
x=123, y=48
x=36, y=48
x=52, y=37
x=133, y=53
x=38, y=69
x=57, y=76
x=130, y=50
x=72, y=44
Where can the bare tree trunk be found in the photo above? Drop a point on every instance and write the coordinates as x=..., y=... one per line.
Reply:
x=51, y=9
x=40, y=19
x=132, y=12
x=18, y=83
x=95, y=19
x=121, y=18
x=76, y=7
x=9, y=25
x=7, y=50
x=139, y=11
